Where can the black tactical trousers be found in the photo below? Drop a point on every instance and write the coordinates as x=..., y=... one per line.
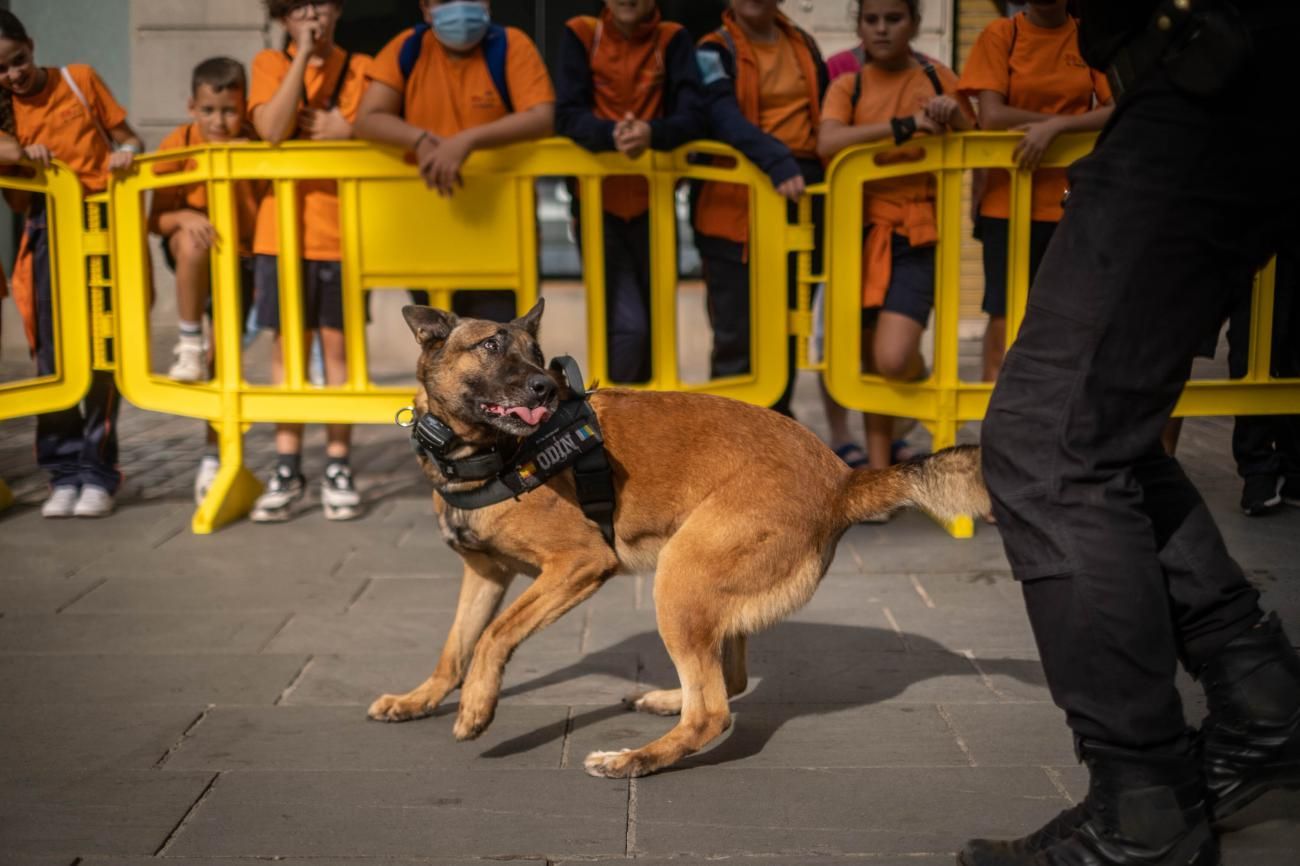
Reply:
x=1123, y=568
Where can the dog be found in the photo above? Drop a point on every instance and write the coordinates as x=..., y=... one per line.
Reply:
x=736, y=509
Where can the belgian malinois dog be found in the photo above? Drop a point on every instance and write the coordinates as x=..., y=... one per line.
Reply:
x=736, y=509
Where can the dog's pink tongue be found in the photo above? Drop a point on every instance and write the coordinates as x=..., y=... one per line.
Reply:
x=533, y=416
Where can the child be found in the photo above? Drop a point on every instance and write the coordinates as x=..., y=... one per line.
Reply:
x=897, y=98
x=764, y=79
x=1028, y=74
x=451, y=87
x=311, y=90
x=49, y=113
x=218, y=106
x=628, y=82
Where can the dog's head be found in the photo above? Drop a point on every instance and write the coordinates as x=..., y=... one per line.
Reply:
x=483, y=379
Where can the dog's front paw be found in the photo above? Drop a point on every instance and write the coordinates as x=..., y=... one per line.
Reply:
x=622, y=764
x=660, y=702
x=471, y=722
x=398, y=708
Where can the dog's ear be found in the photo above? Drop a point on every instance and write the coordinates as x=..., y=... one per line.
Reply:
x=531, y=321
x=428, y=325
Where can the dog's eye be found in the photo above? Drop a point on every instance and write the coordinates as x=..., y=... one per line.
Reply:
x=491, y=344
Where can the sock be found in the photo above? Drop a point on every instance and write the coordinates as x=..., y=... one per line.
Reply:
x=191, y=333
x=291, y=463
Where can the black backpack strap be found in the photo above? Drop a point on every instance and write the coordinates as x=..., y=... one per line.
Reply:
x=933, y=74
x=338, y=85
x=857, y=94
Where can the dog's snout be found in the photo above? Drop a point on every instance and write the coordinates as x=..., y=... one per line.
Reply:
x=541, y=386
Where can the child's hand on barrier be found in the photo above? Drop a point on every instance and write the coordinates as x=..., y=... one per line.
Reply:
x=197, y=228
x=1039, y=136
x=632, y=136
x=924, y=124
x=325, y=125
x=941, y=110
x=443, y=170
x=38, y=153
x=121, y=160
x=792, y=188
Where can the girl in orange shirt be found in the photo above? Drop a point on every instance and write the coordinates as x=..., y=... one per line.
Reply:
x=899, y=98
x=1028, y=74
x=67, y=114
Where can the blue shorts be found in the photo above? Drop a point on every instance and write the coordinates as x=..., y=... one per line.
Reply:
x=322, y=294
x=993, y=231
x=911, y=283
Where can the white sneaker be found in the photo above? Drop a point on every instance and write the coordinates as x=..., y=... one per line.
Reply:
x=93, y=502
x=338, y=495
x=62, y=502
x=209, y=466
x=282, y=491
x=191, y=364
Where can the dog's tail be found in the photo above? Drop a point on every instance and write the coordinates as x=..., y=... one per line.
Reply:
x=945, y=484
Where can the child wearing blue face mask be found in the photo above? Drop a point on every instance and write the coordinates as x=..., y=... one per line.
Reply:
x=454, y=85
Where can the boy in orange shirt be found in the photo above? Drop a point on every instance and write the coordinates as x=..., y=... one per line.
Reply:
x=69, y=114
x=1028, y=74
x=453, y=86
x=895, y=97
x=179, y=215
x=311, y=91
x=628, y=82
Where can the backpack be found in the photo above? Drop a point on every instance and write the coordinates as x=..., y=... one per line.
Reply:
x=494, y=52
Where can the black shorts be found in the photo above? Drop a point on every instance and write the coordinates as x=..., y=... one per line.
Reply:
x=247, y=281
x=911, y=283
x=993, y=231
x=322, y=294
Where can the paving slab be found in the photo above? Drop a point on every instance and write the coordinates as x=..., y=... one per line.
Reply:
x=537, y=678
x=444, y=813
x=217, y=560
x=49, y=738
x=297, y=861
x=768, y=860
x=342, y=738
x=836, y=811
x=124, y=812
x=399, y=632
x=1009, y=735
x=145, y=680
x=794, y=735
x=140, y=633
x=41, y=593
x=396, y=595
x=293, y=591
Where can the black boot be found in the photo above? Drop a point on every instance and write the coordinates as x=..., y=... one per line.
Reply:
x=1143, y=809
x=1251, y=738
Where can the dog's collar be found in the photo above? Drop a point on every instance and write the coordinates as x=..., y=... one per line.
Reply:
x=570, y=438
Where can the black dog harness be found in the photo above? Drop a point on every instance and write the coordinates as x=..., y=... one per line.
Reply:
x=571, y=438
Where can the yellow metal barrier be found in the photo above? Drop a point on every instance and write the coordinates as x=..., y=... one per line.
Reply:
x=396, y=233
x=72, y=352
x=943, y=402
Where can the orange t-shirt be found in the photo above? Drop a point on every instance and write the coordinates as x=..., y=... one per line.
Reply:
x=56, y=118
x=195, y=195
x=785, y=111
x=318, y=201
x=1035, y=69
x=887, y=94
x=447, y=94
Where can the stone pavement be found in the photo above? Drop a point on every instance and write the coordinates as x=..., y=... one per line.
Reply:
x=171, y=698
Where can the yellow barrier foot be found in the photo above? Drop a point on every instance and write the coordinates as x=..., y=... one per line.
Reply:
x=230, y=498
x=962, y=526
x=6, y=496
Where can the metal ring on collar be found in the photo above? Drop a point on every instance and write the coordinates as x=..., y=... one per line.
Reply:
x=406, y=425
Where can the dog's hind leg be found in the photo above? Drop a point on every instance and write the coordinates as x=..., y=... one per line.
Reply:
x=668, y=702
x=482, y=587
x=562, y=585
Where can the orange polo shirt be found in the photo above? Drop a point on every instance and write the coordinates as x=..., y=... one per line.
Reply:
x=1037, y=69
x=785, y=109
x=447, y=94
x=318, y=202
x=56, y=118
x=195, y=195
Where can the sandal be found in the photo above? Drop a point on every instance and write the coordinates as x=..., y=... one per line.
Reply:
x=852, y=454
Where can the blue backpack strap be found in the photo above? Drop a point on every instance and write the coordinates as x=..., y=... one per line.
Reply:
x=495, y=44
x=411, y=48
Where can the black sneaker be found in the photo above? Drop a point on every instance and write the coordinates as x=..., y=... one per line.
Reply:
x=1260, y=495
x=283, y=489
x=1290, y=491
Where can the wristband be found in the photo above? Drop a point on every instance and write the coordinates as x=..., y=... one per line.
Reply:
x=128, y=147
x=418, y=141
x=903, y=127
